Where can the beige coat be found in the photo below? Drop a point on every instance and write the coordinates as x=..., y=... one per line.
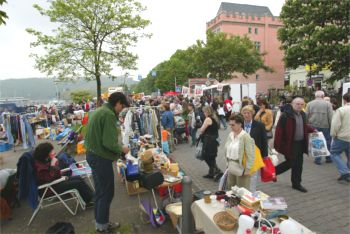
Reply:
x=340, y=127
x=247, y=145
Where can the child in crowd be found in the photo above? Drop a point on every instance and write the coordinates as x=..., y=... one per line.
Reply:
x=165, y=143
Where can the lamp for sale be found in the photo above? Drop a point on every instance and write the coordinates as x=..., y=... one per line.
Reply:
x=245, y=222
x=289, y=227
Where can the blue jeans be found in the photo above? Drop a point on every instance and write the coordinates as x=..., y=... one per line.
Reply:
x=327, y=135
x=223, y=121
x=337, y=147
x=193, y=132
x=102, y=173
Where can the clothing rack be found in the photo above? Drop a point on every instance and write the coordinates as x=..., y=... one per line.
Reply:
x=23, y=114
x=159, y=120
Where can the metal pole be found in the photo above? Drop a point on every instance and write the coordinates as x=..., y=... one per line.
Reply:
x=187, y=219
x=175, y=84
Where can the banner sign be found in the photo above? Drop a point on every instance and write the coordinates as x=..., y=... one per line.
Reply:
x=198, y=90
x=178, y=89
x=220, y=87
x=185, y=91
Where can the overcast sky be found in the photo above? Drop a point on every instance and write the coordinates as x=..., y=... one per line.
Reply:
x=176, y=24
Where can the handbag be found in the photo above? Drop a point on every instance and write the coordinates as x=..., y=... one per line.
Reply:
x=235, y=168
x=258, y=161
x=199, y=149
x=268, y=172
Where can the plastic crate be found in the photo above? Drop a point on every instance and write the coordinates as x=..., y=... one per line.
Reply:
x=4, y=147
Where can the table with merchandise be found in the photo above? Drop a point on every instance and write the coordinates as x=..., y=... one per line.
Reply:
x=240, y=211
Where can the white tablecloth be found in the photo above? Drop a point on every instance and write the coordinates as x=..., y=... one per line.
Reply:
x=203, y=216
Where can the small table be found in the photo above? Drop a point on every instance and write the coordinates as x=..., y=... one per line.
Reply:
x=203, y=216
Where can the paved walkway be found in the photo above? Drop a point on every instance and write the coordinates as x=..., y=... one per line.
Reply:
x=324, y=209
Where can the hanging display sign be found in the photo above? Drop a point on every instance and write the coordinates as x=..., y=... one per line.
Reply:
x=185, y=91
x=198, y=90
x=220, y=87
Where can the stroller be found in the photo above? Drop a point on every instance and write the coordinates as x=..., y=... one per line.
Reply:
x=180, y=130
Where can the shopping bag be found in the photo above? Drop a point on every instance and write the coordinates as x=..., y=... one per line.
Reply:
x=268, y=172
x=223, y=181
x=318, y=145
x=199, y=149
x=258, y=161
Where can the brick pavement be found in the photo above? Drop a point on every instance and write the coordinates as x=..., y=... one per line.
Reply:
x=324, y=209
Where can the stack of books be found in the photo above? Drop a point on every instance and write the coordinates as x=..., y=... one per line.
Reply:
x=249, y=200
x=273, y=203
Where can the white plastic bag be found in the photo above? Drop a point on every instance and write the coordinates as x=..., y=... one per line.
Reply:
x=318, y=145
x=199, y=150
x=223, y=181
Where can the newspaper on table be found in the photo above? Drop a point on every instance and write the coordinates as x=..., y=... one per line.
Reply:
x=318, y=145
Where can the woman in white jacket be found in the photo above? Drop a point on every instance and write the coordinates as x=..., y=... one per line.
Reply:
x=239, y=144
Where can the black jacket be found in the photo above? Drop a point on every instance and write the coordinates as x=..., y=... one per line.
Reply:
x=258, y=133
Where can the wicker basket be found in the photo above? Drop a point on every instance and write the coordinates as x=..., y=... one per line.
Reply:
x=225, y=220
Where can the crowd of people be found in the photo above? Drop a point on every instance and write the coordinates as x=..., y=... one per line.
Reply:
x=251, y=128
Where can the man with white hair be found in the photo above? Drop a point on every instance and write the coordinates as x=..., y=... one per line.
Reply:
x=319, y=114
x=291, y=140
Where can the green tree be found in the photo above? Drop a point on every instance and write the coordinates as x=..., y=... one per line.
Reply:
x=3, y=14
x=316, y=32
x=222, y=55
x=80, y=96
x=146, y=85
x=92, y=37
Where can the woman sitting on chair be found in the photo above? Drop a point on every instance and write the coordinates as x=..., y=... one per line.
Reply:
x=47, y=170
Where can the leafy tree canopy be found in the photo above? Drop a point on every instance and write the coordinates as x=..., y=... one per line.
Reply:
x=3, y=14
x=80, y=96
x=316, y=32
x=221, y=55
x=92, y=37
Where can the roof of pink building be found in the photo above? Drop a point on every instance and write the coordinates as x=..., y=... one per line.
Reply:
x=245, y=8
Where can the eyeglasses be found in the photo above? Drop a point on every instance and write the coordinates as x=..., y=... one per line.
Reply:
x=232, y=125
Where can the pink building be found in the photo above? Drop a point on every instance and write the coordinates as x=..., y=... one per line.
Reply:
x=258, y=23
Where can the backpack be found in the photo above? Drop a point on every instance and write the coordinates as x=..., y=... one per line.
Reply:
x=180, y=122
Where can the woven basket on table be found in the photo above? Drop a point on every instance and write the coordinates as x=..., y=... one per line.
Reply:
x=225, y=220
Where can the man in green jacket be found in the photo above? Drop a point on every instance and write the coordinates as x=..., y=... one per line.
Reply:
x=102, y=147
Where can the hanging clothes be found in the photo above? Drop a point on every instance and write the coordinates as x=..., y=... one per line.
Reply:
x=128, y=131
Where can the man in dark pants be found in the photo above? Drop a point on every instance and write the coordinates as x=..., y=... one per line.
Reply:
x=291, y=140
x=102, y=148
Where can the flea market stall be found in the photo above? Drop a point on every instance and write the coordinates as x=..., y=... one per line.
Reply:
x=240, y=211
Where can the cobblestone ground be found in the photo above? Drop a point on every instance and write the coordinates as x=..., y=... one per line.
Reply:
x=324, y=209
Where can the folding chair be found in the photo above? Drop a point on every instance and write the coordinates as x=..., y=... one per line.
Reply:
x=57, y=198
x=29, y=189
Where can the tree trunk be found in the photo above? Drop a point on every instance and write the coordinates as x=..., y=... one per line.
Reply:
x=98, y=81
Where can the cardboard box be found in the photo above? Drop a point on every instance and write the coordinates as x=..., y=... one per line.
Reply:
x=133, y=188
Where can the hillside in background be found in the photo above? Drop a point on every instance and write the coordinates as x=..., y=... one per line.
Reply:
x=45, y=89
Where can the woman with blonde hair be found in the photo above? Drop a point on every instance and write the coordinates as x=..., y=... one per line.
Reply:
x=209, y=134
x=238, y=145
x=265, y=116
